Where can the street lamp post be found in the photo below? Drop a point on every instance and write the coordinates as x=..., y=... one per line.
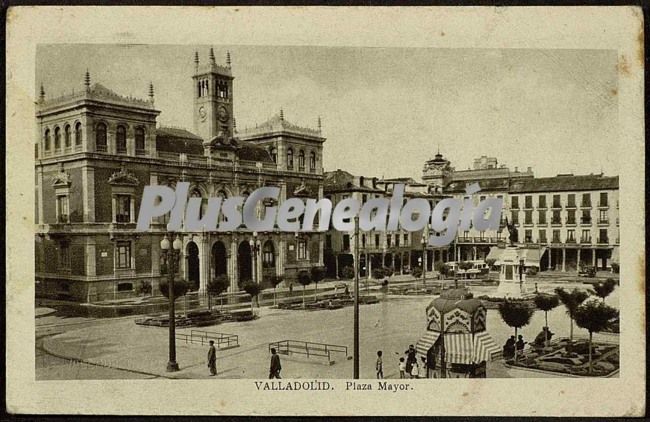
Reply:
x=356, y=297
x=424, y=262
x=171, y=256
x=255, y=248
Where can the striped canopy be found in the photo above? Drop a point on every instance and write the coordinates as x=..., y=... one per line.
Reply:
x=463, y=348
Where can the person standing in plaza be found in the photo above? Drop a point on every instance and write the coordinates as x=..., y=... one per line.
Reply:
x=410, y=358
x=379, y=366
x=276, y=367
x=402, y=368
x=415, y=370
x=520, y=345
x=212, y=359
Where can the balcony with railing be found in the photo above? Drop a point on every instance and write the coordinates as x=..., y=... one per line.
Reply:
x=585, y=221
x=585, y=204
x=122, y=218
x=571, y=204
x=585, y=240
x=603, y=204
x=557, y=205
x=571, y=240
x=604, y=221
x=556, y=222
x=603, y=240
x=62, y=219
x=570, y=221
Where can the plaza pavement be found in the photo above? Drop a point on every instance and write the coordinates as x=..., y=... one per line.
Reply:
x=390, y=325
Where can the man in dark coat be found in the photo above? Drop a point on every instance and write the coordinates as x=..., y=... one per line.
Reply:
x=410, y=358
x=274, y=372
x=212, y=359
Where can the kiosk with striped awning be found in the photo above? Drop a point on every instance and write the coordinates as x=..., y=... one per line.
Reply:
x=463, y=348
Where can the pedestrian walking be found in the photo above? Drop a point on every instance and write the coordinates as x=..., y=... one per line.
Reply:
x=415, y=371
x=402, y=368
x=290, y=289
x=379, y=366
x=212, y=359
x=276, y=367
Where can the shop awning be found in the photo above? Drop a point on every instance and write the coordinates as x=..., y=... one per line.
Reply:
x=615, y=256
x=485, y=349
x=495, y=253
x=424, y=344
x=458, y=348
x=533, y=256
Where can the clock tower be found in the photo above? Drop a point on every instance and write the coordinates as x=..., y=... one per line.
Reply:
x=213, y=111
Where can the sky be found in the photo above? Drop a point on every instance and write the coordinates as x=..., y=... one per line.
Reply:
x=385, y=111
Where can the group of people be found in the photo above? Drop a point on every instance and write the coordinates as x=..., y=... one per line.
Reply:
x=512, y=345
x=408, y=366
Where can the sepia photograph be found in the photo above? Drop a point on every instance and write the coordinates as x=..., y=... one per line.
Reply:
x=331, y=218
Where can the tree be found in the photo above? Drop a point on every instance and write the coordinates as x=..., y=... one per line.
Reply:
x=388, y=271
x=305, y=279
x=571, y=300
x=465, y=265
x=546, y=302
x=144, y=288
x=217, y=286
x=275, y=280
x=594, y=317
x=317, y=274
x=515, y=314
x=252, y=289
x=442, y=268
x=603, y=290
x=180, y=288
x=348, y=272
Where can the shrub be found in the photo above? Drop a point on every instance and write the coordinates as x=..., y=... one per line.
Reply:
x=180, y=288
x=216, y=286
x=616, y=267
x=417, y=272
x=252, y=289
x=348, y=272
x=388, y=271
x=144, y=288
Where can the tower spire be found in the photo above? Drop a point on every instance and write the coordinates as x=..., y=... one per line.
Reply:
x=41, y=96
x=228, y=62
x=151, y=92
x=234, y=125
x=320, y=127
x=87, y=80
x=211, y=55
x=196, y=59
x=281, y=114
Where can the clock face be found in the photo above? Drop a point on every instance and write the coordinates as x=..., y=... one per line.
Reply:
x=202, y=113
x=222, y=114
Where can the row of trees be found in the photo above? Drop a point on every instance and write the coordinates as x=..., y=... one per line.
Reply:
x=592, y=315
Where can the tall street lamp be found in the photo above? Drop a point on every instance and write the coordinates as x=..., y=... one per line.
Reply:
x=424, y=262
x=356, y=297
x=255, y=248
x=171, y=256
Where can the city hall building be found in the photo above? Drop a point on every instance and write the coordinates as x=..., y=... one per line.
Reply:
x=96, y=150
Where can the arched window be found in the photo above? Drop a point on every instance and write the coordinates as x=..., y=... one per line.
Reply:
x=120, y=139
x=57, y=138
x=100, y=137
x=301, y=160
x=139, y=140
x=223, y=195
x=290, y=158
x=77, y=134
x=268, y=255
x=274, y=154
x=197, y=194
x=46, y=139
x=67, y=136
x=312, y=161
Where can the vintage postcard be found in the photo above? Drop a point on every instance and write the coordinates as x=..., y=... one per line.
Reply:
x=325, y=211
